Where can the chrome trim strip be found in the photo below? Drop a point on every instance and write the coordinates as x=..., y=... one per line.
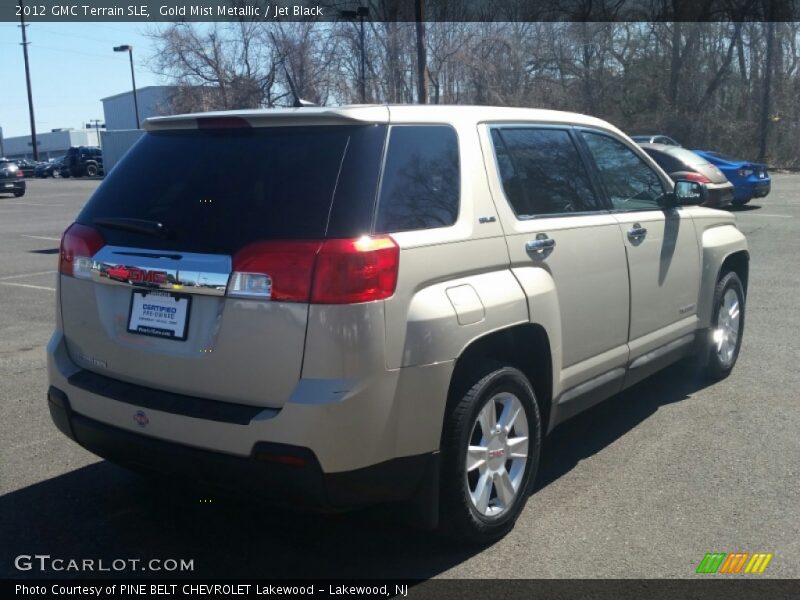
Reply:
x=587, y=386
x=662, y=351
x=184, y=272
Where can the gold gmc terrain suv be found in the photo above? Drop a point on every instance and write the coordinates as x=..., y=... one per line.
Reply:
x=334, y=307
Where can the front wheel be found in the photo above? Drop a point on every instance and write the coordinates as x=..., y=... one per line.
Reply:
x=727, y=326
x=19, y=193
x=490, y=455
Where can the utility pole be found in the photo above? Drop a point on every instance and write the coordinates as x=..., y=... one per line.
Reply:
x=97, y=129
x=361, y=12
x=422, y=54
x=25, y=43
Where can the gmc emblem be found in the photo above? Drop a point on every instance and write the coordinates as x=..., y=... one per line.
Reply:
x=136, y=275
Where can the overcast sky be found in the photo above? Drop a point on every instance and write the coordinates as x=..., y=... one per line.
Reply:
x=72, y=68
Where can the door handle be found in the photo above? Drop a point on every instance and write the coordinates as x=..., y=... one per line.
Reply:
x=637, y=232
x=540, y=245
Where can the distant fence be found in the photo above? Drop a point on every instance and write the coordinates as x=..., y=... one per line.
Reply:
x=116, y=143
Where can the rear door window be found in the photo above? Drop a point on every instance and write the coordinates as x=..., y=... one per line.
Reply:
x=420, y=185
x=215, y=191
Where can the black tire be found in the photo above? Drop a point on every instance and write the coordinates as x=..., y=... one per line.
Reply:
x=713, y=366
x=459, y=516
x=91, y=170
x=740, y=202
x=19, y=194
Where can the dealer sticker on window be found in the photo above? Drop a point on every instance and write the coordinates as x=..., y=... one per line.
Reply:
x=160, y=314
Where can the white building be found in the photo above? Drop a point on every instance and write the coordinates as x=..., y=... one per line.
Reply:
x=118, y=110
x=51, y=144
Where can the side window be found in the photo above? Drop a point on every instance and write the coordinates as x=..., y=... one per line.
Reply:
x=420, y=187
x=630, y=183
x=542, y=172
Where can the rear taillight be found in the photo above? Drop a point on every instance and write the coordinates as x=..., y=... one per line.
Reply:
x=322, y=272
x=360, y=270
x=274, y=270
x=20, y=173
x=78, y=245
x=696, y=177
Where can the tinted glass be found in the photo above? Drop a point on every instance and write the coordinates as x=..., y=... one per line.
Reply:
x=687, y=156
x=629, y=182
x=420, y=187
x=217, y=190
x=542, y=172
x=665, y=161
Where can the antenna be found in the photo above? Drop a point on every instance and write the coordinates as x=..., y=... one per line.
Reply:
x=298, y=101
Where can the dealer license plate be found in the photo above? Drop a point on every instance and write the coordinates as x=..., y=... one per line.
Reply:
x=159, y=314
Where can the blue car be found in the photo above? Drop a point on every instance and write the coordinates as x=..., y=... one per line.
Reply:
x=750, y=180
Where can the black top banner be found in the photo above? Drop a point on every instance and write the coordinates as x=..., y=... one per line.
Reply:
x=399, y=10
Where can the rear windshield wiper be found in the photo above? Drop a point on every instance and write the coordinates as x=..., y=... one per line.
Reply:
x=151, y=228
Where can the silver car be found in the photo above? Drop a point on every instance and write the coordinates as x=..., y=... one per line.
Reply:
x=334, y=307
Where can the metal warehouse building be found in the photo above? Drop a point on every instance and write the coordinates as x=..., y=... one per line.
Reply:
x=120, y=119
x=154, y=101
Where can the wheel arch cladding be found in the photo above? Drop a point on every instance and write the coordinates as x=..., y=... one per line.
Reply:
x=739, y=263
x=724, y=248
x=525, y=347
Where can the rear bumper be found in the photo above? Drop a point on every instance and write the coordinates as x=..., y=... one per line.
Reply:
x=11, y=185
x=719, y=196
x=349, y=443
x=754, y=189
x=762, y=189
x=282, y=474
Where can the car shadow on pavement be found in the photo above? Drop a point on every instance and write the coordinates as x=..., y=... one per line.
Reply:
x=744, y=207
x=104, y=511
x=591, y=431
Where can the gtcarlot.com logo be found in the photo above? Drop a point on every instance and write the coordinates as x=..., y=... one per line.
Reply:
x=734, y=563
x=46, y=563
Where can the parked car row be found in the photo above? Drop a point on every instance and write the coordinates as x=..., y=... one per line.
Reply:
x=79, y=161
x=727, y=180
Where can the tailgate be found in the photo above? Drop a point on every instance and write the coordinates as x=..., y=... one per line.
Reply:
x=192, y=260
x=179, y=331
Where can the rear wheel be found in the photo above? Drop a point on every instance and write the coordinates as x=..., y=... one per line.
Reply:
x=91, y=170
x=490, y=455
x=740, y=201
x=727, y=325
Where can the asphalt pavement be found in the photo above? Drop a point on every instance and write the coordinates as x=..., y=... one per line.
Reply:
x=643, y=485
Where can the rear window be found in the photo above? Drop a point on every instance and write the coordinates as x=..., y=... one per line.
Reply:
x=542, y=172
x=218, y=190
x=687, y=157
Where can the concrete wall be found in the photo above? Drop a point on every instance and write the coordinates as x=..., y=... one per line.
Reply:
x=116, y=144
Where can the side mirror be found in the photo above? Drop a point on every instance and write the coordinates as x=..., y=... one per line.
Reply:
x=688, y=193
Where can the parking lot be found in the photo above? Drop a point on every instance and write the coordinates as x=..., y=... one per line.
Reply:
x=643, y=485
